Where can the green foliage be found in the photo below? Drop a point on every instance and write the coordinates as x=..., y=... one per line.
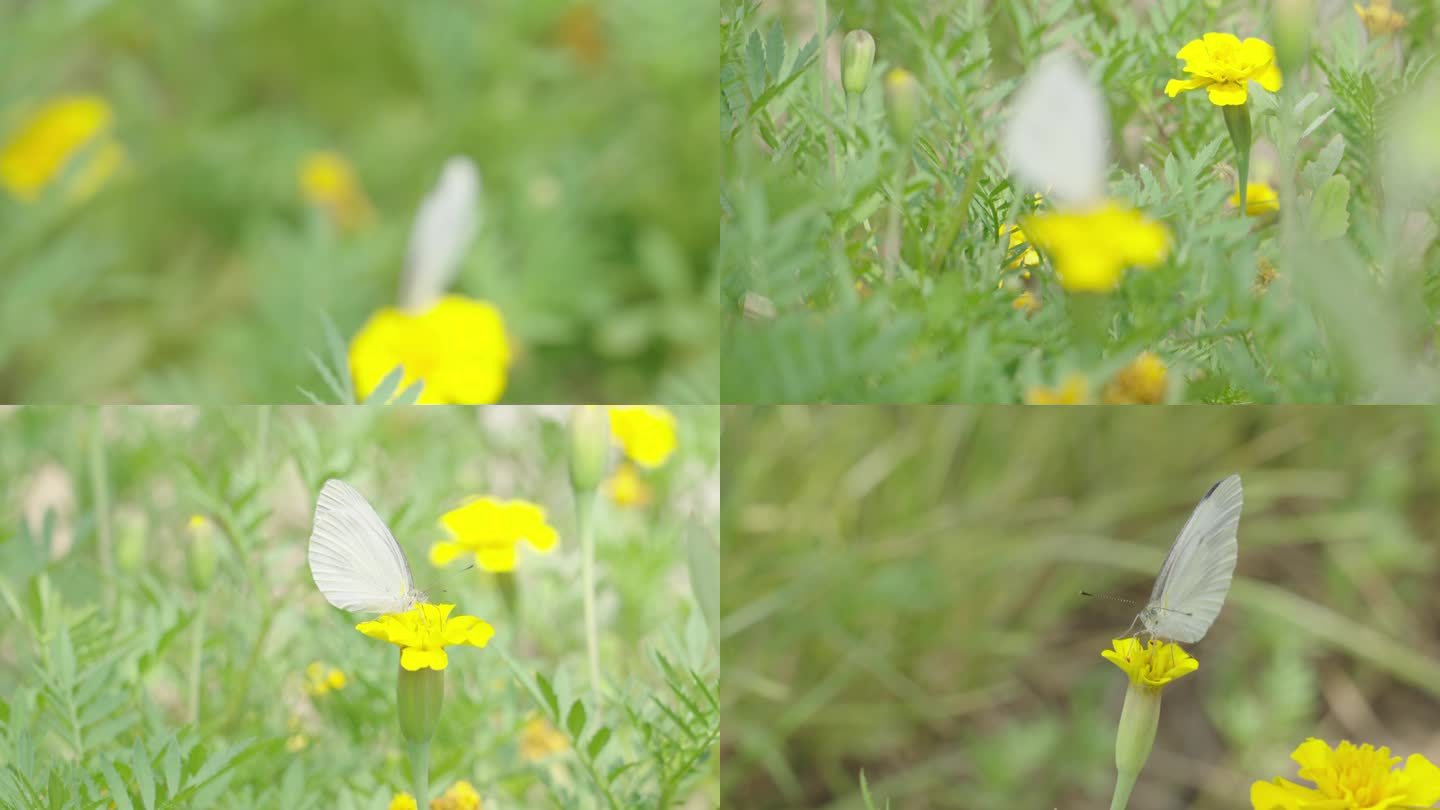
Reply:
x=133, y=689
x=1243, y=309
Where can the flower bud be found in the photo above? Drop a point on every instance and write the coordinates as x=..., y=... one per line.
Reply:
x=902, y=103
x=200, y=552
x=420, y=696
x=589, y=446
x=1292, y=22
x=858, y=56
x=130, y=544
x=1139, y=718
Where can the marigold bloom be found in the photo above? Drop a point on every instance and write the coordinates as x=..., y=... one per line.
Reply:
x=1140, y=383
x=1224, y=65
x=1026, y=258
x=321, y=681
x=1091, y=248
x=1152, y=665
x=645, y=432
x=1026, y=302
x=48, y=141
x=328, y=181
x=403, y=801
x=424, y=631
x=539, y=739
x=1259, y=199
x=457, y=347
x=492, y=530
x=1350, y=776
x=626, y=488
x=460, y=796
x=1380, y=18
x=1074, y=390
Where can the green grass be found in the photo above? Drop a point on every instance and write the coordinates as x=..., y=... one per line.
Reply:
x=901, y=597
x=199, y=274
x=98, y=636
x=1350, y=317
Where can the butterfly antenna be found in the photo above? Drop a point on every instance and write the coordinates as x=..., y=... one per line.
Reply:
x=1108, y=596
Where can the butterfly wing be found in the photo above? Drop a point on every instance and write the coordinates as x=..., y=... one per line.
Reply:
x=354, y=558
x=1196, y=575
x=445, y=225
x=1057, y=134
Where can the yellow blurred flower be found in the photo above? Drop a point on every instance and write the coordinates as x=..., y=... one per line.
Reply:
x=1224, y=66
x=1026, y=302
x=1140, y=383
x=328, y=181
x=539, y=739
x=1350, y=776
x=403, y=801
x=1380, y=18
x=320, y=680
x=1092, y=248
x=1027, y=257
x=626, y=488
x=645, y=432
x=424, y=631
x=492, y=530
x=1152, y=665
x=1074, y=390
x=49, y=140
x=457, y=347
x=296, y=743
x=460, y=796
x=1259, y=198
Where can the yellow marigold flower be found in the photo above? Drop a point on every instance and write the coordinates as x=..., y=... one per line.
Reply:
x=457, y=347
x=460, y=796
x=1152, y=665
x=1026, y=302
x=1092, y=248
x=1350, y=776
x=403, y=801
x=645, y=432
x=328, y=181
x=1140, y=383
x=1259, y=199
x=321, y=680
x=296, y=743
x=539, y=739
x=1223, y=65
x=424, y=631
x=492, y=529
x=1074, y=390
x=1028, y=257
x=1379, y=18
x=47, y=142
x=626, y=488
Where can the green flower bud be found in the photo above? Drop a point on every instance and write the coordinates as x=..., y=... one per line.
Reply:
x=1237, y=120
x=420, y=695
x=200, y=552
x=130, y=544
x=1139, y=718
x=902, y=103
x=857, y=59
x=1292, y=22
x=589, y=446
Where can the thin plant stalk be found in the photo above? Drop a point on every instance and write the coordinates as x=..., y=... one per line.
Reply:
x=420, y=771
x=197, y=659
x=100, y=484
x=891, y=245
x=822, y=24
x=584, y=519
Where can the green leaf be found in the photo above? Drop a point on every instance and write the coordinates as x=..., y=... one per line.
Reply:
x=575, y=722
x=704, y=560
x=548, y=692
x=597, y=742
x=1325, y=163
x=1329, y=213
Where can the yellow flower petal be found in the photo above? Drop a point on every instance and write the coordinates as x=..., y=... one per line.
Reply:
x=1175, y=86
x=445, y=552
x=403, y=801
x=47, y=142
x=458, y=348
x=1152, y=665
x=1226, y=94
x=645, y=432
x=497, y=559
x=413, y=658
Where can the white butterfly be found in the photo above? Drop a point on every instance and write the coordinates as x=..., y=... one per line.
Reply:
x=1058, y=131
x=1196, y=575
x=444, y=227
x=354, y=558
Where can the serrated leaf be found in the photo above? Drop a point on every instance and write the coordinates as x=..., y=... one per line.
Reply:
x=575, y=721
x=1329, y=212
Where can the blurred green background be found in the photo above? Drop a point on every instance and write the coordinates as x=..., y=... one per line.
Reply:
x=901, y=595
x=100, y=616
x=199, y=274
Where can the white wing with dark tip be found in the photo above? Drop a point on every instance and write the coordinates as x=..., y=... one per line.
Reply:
x=354, y=558
x=1195, y=578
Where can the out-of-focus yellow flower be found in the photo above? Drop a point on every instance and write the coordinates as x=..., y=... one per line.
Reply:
x=1265, y=275
x=457, y=347
x=1026, y=302
x=403, y=801
x=460, y=796
x=1140, y=383
x=1379, y=18
x=539, y=739
x=1152, y=666
x=1224, y=66
x=1091, y=248
x=1074, y=390
x=424, y=631
x=645, y=432
x=626, y=488
x=1259, y=199
x=321, y=680
x=1350, y=776
x=296, y=743
x=328, y=181
x=492, y=530
x=1027, y=257
x=48, y=141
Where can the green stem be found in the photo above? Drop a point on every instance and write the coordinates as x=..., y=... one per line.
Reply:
x=1237, y=120
x=100, y=485
x=420, y=772
x=891, y=246
x=822, y=25
x=584, y=519
x=1124, y=783
x=196, y=661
